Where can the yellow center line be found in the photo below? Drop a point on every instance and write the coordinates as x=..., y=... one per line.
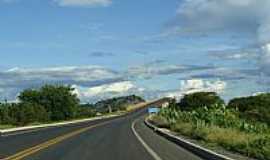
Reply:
x=32, y=150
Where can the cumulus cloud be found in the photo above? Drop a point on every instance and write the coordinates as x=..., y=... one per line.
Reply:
x=197, y=85
x=245, y=18
x=83, y=3
x=220, y=15
x=107, y=90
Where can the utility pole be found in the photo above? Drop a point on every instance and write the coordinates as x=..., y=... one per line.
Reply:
x=109, y=108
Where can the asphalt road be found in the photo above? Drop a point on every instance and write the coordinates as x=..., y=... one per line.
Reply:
x=124, y=138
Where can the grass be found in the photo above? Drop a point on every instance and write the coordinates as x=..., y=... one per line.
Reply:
x=6, y=126
x=245, y=140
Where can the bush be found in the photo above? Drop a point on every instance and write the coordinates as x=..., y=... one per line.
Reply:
x=5, y=117
x=85, y=112
x=200, y=99
x=30, y=113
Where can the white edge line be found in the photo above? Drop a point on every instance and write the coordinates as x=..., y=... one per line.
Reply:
x=37, y=127
x=148, y=149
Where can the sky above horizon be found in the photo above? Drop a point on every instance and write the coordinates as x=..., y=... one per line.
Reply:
x=153, y=48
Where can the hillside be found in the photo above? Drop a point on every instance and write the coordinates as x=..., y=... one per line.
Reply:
x=118, y=103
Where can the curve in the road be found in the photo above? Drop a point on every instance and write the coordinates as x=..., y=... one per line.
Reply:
x=117, y=139
x=148, y=149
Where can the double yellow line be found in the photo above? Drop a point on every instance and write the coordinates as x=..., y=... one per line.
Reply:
x=32, y=150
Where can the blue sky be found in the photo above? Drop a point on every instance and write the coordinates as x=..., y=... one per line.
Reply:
x=152, y=48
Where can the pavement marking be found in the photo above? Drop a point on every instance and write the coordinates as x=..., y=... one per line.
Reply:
x=32, y=150
x=148, y=149
x=22, y=132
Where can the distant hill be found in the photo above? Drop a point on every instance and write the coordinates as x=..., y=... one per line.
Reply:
x=118, y=103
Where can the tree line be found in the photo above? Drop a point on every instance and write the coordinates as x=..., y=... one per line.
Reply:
x=252, y=108
x=52, y=103
x=47, y=104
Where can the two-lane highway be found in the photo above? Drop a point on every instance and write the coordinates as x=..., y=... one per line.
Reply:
x=124, y=138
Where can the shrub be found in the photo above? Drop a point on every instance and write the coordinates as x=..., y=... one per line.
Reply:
x=29, y=113
x=22, y=114
x=85, y=112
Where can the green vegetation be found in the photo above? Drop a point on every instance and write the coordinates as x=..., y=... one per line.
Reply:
x=58, y=101
x=219, y=125
x=47, y=104
x=200, y=99
x=256, y=108
x=54, y=103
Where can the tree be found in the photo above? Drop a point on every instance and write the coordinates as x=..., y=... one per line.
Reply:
x=4, y=114
x=200, y=99
x=30, y=96
x=59, y=101
x=256, y=108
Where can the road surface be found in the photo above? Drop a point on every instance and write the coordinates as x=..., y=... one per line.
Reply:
x=124, y=138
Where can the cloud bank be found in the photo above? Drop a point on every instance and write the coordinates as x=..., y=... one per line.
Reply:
x=14, y=80
x=243, y=18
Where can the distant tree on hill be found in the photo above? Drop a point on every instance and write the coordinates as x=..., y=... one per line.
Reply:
x=117, y=103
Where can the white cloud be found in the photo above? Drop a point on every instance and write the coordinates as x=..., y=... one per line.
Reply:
x=83, y=3
x=107, y=90
x=197, y=85
x=248, y=19
x=221, y=15
x=118, y=87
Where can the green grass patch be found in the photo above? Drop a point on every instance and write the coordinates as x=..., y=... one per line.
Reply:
x=6, y=126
